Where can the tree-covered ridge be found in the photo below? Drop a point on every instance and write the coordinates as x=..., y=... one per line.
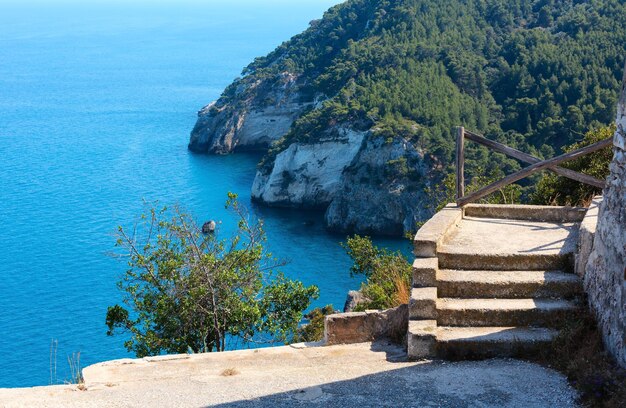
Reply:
x=533, y=73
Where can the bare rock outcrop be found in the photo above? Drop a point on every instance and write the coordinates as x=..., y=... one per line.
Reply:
x=366, y=183
x=250, y=114
x=308, y=175
x=382, y=192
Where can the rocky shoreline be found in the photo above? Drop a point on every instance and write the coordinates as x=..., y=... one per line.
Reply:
x=366, y=183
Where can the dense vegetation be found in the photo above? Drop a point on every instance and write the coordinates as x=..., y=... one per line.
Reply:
x=555, y=190
x=535, y=74
x=189, y=292
x=387, y=274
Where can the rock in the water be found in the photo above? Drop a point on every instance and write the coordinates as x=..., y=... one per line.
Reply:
x=208, y=227
x=353, y=298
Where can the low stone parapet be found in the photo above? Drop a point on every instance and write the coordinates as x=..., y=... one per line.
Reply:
x=359, y=327
x=585, y=236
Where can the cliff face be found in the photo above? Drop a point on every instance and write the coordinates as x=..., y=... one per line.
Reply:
x=308, y=175
x=412, y=70
x=250, y=115
x=383, y=191
x=605, y=275
x=366, y=183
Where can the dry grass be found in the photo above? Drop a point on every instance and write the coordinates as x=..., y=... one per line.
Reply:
x=579, y=353
x=229, y=372
x=402, y=293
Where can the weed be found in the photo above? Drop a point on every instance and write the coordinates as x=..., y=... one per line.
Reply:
x=229, y=372
x=578, y=352
x=76, y=372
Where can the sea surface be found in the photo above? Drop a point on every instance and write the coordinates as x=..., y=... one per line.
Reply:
x=96, y=105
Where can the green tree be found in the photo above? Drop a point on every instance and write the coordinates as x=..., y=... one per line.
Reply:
x=185, y=291
x=531, y=74
x=555, y=190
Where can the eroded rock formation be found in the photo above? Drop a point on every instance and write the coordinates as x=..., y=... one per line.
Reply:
x=250, y=115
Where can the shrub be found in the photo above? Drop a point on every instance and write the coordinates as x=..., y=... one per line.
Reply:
x=186, y=291
x=555, y=190
x=387, y=274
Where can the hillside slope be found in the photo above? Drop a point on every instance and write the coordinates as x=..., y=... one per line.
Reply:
x=358, y=111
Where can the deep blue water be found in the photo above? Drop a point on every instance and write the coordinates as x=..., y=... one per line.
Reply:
x=96, y=105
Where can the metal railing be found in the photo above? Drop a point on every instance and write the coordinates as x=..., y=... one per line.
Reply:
x=536, y=165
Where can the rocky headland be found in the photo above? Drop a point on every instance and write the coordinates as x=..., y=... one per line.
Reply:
x=364, y=181
x=356, y=114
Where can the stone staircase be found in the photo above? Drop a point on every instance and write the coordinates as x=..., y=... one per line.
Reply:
x=492, y=280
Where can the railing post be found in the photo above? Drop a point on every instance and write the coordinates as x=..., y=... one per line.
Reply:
x=460, y=162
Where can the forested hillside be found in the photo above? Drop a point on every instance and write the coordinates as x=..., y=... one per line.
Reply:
x=536, y=74
x=544, y=71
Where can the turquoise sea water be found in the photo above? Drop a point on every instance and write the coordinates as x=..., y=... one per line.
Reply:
x=96, y=104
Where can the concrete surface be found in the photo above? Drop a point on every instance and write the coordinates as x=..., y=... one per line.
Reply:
x=502, y=237
x=360, y=375
x=503, y=312
x=499, y=244
x=370, y=325
x=546, y=213
x=433, y=233
x=507, y=284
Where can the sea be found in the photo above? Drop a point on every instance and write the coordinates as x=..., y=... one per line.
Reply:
x=97, y=100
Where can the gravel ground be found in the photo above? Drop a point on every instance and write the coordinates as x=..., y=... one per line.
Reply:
x=361, y=375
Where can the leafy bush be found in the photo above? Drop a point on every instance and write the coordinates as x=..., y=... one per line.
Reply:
x=314, y=329
x=387, y=274
x=532, y=74
x=185, y=291
x=555, y=190
x=445, y=192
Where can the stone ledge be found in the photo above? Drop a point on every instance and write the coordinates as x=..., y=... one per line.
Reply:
x=422, y=339
x=586, y=234
x=360, y=327
x=545, y=213
x=425, y=272
x=433, y=232
x=423, y=303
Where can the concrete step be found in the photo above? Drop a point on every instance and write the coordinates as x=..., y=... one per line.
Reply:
x=427, y=340
x=503, y=312
x=504, y=244
x=486, y=342
x=421, y=339
x=507, y=284
x=455, y=259
x=423, y=303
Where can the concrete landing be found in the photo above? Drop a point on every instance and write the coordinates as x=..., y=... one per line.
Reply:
x=505, y=244
x=357, y=375
x=491, y=236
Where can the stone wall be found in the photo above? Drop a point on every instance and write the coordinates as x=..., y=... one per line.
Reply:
x=605, y=277
x=360, y=327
